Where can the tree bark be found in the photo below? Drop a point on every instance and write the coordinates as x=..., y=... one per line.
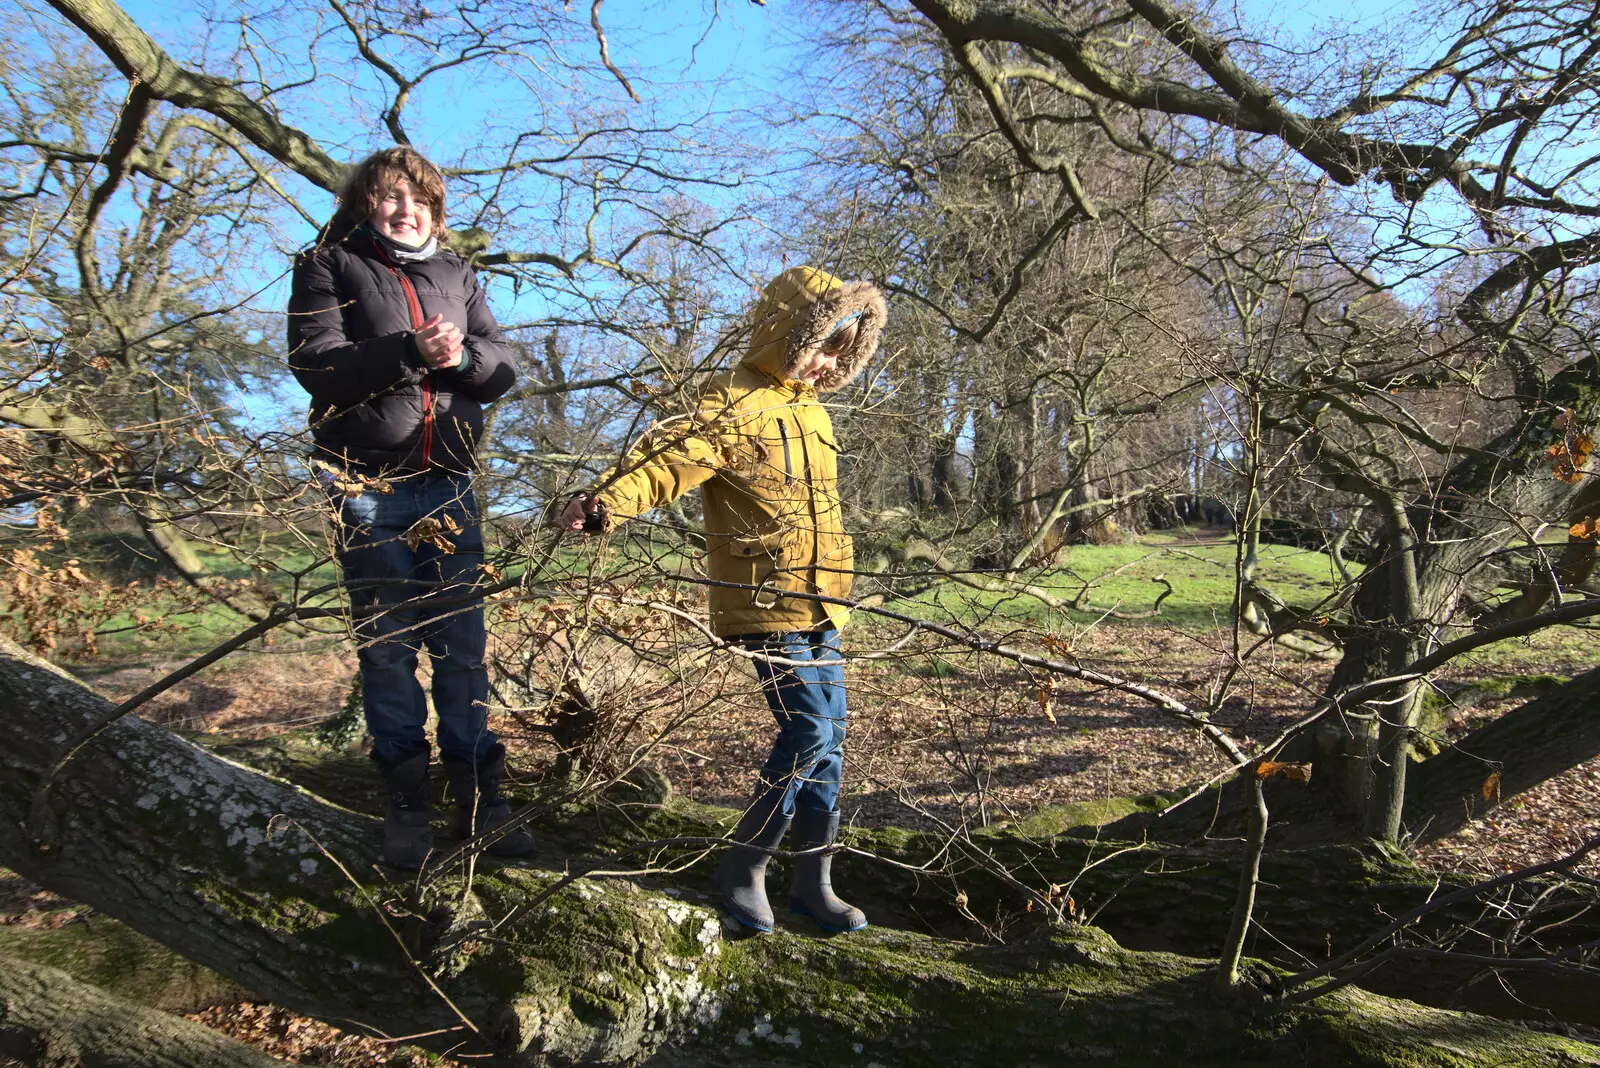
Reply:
x=1523, y=748
x=242, y=873
x=49, y=1018
x=942, y=477
x=1318, y=902
x=235, y=869
x=1528, y=745
x=102, y=953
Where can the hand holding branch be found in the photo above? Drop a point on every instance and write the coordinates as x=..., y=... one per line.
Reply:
x=584, y=514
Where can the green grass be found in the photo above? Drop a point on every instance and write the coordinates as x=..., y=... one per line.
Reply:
x=181, y=634
x=1122, y=577
x=285, y=565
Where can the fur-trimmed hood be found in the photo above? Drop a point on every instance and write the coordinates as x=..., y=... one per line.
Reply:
x=800, y=308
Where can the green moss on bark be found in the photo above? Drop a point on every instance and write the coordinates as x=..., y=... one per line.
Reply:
x=615, y=971
x=106, y=954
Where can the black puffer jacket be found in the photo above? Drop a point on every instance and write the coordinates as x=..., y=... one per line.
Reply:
x=375, y=404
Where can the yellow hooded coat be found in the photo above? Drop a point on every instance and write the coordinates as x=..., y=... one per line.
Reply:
x=764, y=451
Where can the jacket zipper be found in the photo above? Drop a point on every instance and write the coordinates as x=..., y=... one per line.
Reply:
x=788, y=467
x=811, y=505
x=429, y=398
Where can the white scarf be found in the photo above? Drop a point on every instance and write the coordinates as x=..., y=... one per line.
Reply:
x=407, y=253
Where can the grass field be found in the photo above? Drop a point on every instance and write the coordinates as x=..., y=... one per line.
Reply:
x=1120, y=581
x=1122, y=578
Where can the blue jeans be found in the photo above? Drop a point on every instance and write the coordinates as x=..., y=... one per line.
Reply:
x=807, y=761
x=393, y=594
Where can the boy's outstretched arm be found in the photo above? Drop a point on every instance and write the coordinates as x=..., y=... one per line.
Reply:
x=667, y=461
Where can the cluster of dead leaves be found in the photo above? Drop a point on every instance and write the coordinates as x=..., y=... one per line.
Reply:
x=349, y=483
x=302, y=1040
x=1569, y=454
x=57, y=607
x=1276, y=769
x=1061, y=902
x=432, y=529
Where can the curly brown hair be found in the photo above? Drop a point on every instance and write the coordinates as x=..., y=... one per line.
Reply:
x=372, y=178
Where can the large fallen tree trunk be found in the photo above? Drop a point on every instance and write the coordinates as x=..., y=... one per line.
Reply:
x=103, y=953
x=1531, y=743
x=275, y=888
x=1314, y=902
x=1528, y=745
x=237, y=870
x=49, y=1018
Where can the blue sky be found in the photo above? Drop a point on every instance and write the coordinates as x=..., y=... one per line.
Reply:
x=686, y=59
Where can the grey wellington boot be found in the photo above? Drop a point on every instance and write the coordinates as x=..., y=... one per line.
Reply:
x=479, y=806
x=408, y=820
x=811, y=890
x=742, y=872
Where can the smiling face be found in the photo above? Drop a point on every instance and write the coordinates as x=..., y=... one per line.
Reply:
x=823, y=359
x=814, y=364
x=403, y=215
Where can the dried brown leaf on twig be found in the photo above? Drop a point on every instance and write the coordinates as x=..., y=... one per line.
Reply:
x=432, y=529
x=1270, y=769
x=1491, y=788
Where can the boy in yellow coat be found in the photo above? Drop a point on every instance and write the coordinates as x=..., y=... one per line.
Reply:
x=762, y=448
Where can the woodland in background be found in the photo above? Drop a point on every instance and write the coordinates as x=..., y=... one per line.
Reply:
x=1237, y=387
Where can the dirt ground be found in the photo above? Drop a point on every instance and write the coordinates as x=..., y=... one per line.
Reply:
x=940, y=735
x=989, y=743
x=935, y=736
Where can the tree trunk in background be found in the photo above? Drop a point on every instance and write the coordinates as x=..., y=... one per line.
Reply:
x=946, y=491
x=995, y=480
x=1453, y=536
x=1375, y=647
x=1087, y=525
x=553, y=426
x=1007, y=477
x=1028, y=482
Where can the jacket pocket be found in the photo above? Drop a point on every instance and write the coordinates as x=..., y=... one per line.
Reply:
x=825, y=461
x=764, y=562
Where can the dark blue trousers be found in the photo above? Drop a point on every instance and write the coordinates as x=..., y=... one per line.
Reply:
x=395, y=601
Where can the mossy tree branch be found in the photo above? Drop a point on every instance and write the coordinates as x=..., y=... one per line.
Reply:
x=233, y=868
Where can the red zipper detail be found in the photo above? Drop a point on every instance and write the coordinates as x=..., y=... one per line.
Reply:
x=429, y=398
